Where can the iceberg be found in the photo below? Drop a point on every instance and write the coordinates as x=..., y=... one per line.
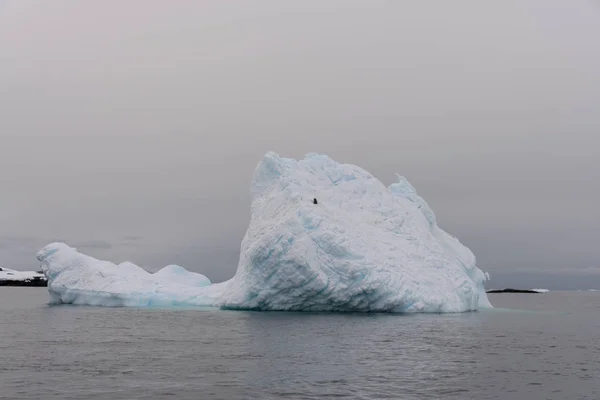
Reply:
x=75, y=278
x=323, y=236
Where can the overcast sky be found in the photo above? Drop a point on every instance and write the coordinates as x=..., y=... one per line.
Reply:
x=131, y=129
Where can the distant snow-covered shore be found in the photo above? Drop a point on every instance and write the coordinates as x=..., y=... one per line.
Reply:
x=11, y=277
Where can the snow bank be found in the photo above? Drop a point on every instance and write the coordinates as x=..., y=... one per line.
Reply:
x=363, y=247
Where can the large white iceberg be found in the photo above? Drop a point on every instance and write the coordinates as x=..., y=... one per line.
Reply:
x=363, y=247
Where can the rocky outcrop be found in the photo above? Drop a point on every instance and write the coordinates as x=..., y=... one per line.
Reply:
x=511, y=291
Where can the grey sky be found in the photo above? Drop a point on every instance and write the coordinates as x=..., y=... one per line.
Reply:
x=131, y=128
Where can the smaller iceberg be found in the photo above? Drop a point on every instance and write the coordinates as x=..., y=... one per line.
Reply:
x=75, y=278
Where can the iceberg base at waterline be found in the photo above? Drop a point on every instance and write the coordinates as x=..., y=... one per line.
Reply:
x=362, y=247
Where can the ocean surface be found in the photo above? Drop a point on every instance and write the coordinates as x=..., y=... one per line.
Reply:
x=532, y=346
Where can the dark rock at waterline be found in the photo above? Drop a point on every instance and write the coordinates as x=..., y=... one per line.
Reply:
x=511, y=291
x=33, y=282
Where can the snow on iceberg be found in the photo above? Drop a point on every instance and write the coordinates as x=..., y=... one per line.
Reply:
x=363, y=247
